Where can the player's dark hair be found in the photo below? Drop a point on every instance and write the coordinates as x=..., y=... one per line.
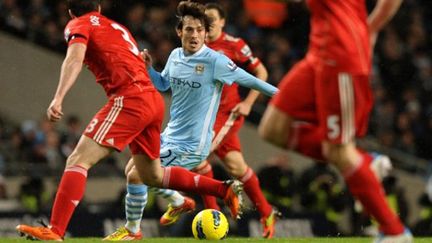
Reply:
x=196, y=10
x=218, y=8
x=81, y=7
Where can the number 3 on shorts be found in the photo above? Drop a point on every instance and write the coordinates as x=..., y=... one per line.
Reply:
x=333, y=126
x=91, y=125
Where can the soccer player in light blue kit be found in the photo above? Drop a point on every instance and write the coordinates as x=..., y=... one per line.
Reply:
x=196, y=75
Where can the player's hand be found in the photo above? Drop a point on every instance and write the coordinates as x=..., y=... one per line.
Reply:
x=54, y=111
x=147, y=57
x=242, y=109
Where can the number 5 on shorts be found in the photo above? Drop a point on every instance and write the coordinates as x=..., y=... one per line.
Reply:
x=333, y=126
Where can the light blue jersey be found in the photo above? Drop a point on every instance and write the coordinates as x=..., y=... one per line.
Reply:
x=196, y=83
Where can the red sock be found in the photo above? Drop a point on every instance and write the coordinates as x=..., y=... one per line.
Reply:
x=209, y=201
x=180, y=179
x=306, y=139
x=69, y=194
x=253, y=190
x=364, y=186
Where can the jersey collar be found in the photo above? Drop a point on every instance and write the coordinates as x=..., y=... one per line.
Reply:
x=183, y=56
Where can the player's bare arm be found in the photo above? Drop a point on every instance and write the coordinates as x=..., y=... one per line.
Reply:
x=243, y=108
x=70, y=70
x=383, y=12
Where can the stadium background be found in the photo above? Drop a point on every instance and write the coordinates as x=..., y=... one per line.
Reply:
x=32, y=151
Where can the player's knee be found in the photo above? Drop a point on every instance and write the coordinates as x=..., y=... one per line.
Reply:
x=201, y=166
x=77, y=158
x=133, y=177
x=152, y=180
x=149, y=178
x=237, y=172
x=236, y=168
x=264, y=131
x=343, y=156
x=272, y=135
x=233, y=170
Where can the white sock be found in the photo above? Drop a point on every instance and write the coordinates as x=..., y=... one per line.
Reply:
x=135, y=202
x=174, y=197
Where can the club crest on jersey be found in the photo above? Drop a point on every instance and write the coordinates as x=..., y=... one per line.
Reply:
x=199, y=68
x=232, y=66
x=94, y=20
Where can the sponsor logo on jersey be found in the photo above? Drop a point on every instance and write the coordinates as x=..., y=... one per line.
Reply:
x=199, y=68
x=232, y=66
x=185, y=83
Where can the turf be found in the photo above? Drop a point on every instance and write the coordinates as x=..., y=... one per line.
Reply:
x=181, y=240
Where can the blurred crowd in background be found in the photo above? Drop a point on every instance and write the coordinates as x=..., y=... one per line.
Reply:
x=402, y=68
x=401, y=80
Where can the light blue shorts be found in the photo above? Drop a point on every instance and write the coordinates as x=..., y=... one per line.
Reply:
x=171, y=157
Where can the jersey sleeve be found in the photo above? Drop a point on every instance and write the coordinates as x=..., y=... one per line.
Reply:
x=225, y=69
x=226, y=72
x=158, y=80
x=246, y=56
x=165, y=71
x=161, y=80
x=77, y=31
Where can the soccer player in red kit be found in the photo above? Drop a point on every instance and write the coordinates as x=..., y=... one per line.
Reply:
x=229, y=150
x=132, y=116
x=329, y=89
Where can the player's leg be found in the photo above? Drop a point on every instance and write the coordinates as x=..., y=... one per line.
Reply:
x=135, y=203
x=229, y=151
x=344, y=102
x=135, y=200
x=178, y=204
x=72, y=185
x=92, y=147
x=236, y=166
x=293, y=103
x=70, y=190
x=146, y=151
x=364, y=185
x=181, y=179
x=205, y=169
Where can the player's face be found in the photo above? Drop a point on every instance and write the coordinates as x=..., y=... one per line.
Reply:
x=192, y=34
x=216, y=23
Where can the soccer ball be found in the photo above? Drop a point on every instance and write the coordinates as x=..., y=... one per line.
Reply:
x=210, y=224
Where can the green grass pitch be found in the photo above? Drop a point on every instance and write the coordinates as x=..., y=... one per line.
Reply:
x=236, y=240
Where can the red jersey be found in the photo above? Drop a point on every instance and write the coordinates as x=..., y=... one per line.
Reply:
x=240, y=53
x=112, y=54
x=339, y=34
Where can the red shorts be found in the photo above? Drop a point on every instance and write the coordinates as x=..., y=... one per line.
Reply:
x=132, y=118
x=337, y=101
x=231, y=141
